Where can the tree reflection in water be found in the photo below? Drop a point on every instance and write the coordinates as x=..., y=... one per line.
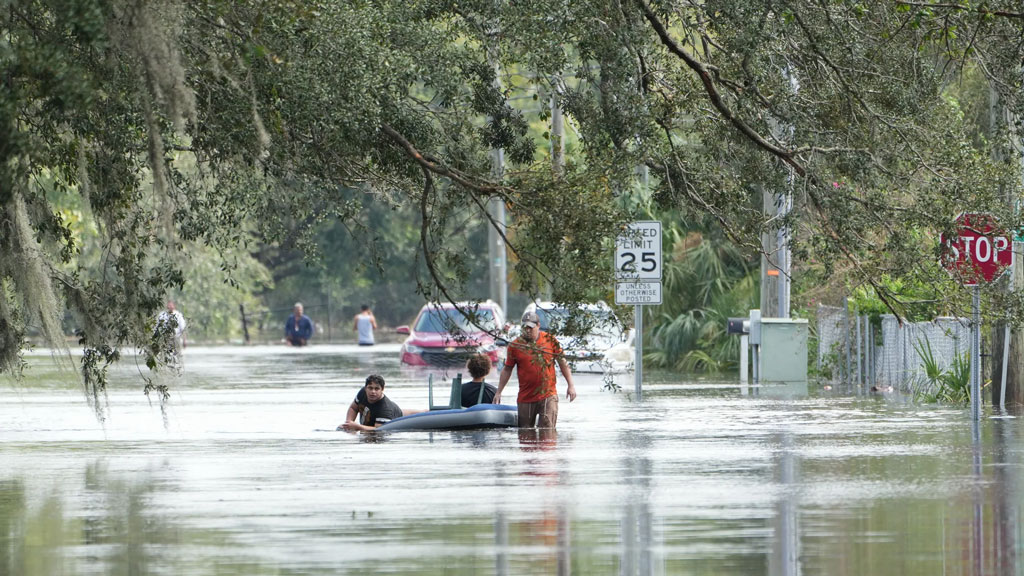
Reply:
x=108, y=524
x=1005, y=508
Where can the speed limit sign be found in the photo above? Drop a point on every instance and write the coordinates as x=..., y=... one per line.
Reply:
x=638, y=252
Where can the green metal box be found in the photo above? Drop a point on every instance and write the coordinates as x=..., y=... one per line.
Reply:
x=783, y=354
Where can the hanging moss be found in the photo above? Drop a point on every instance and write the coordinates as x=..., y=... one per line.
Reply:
x=149, y=31
x=12, y=335
x=33, y=282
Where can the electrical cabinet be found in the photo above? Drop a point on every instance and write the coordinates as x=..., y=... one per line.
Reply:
x=783, y=355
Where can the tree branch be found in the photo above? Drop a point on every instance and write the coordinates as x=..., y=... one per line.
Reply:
x=431, y=166
x=428, y=258
x=440, y=169
x=960, y=7
x=714, y=95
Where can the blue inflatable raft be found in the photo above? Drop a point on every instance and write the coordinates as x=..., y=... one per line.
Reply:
x=474, y=417
x=452, y=416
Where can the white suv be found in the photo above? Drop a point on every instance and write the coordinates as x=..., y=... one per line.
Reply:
x=605, y=347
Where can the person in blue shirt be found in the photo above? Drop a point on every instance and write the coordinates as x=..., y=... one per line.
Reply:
x=298, y=329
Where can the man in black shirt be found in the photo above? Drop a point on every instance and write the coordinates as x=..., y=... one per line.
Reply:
x=479, y=367
x=372, y=405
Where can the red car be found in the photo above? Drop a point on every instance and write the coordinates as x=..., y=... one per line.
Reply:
x=443, y=336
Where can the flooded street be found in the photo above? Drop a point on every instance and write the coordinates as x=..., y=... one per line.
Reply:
x=248, y=476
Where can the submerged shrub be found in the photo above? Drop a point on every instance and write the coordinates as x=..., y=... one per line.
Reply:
x=950, y=385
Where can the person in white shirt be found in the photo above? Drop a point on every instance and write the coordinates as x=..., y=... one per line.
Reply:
x=364, y=326
x=174, y=318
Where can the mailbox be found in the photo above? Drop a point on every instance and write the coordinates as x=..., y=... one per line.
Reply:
x=738, y=326
x=749, y=330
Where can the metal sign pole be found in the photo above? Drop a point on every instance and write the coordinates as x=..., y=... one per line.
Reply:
x=638, y=281
x=976, y=354
x=744, y=359
x=638, y=341
x=980, y=251
x=1006, y=343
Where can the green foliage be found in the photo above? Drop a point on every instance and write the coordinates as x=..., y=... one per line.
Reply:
x=707, y=280
x=216, y=283
x=138, y=139
x=916, y=300
x=371, y=258
x=947, y=386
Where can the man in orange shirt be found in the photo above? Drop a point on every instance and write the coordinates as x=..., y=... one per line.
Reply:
x=534, y=355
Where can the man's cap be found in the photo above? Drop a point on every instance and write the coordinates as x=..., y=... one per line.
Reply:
x=531, y=319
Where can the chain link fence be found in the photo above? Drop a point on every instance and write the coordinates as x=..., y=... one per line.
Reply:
x=854, y=350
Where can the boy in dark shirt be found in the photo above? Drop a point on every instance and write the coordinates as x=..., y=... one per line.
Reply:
x=375, y=408
x=479, y=367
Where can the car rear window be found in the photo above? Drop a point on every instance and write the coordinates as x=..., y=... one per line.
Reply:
x=598, y=321
x=447, y=319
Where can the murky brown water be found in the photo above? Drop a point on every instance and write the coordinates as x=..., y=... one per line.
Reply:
x=699, y=478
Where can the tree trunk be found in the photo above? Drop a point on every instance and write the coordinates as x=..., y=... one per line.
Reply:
x=998, y=115
x=1015, y=371
x=1015, y=364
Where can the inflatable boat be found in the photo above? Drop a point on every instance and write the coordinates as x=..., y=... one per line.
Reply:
x=474, y=417
x=452, y=416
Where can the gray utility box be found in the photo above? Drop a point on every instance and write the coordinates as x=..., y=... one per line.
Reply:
x=783, y=353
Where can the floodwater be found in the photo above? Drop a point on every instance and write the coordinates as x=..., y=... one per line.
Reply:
x=247, y=476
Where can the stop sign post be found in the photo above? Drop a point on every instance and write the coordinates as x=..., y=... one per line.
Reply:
x=980, y=252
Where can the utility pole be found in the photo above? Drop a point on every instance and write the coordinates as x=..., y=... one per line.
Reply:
x=557, y=129
x=496, y=249
x=557, y=139
x=496, y=243
x=775, y=265
x=775, y=276
x=1016, y=373
x=1008, y=351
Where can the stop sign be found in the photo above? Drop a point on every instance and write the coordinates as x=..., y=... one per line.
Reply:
x=981, y=250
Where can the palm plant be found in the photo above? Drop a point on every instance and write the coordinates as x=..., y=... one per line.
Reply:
x=947, y=386
x=706, y=280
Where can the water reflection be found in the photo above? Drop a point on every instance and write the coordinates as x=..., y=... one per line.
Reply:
x=548, y=526
x=1006, y=493
x=637, y=558
x=696, y=479
x=977, y=525
x=548, y=533
x=994, y=543
x=531, y=439
x=501, y=543
x=110, y=527
x=783, y=390
x=785, y=556
x=13, y=517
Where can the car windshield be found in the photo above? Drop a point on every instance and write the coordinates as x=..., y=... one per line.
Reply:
x=446, y=319
x=598, y=321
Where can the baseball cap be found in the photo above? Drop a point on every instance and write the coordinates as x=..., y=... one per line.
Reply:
x=531, y=319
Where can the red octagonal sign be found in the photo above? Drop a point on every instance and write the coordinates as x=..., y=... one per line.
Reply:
x=981, y=251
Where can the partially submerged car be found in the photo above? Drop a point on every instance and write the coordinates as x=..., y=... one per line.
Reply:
x=592, y=339
x=446, y=334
